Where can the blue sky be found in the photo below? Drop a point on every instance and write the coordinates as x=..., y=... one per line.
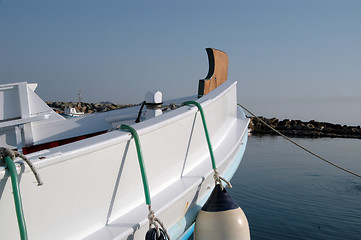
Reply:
x=291, y=59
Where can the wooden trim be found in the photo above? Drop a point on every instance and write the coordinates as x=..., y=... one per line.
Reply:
x=217, y=73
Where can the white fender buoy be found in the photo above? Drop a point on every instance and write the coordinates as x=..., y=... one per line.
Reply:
x=221, y=219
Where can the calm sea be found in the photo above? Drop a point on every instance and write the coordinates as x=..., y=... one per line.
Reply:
x=287, y=193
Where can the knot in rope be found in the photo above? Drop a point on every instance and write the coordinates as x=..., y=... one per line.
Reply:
x=114, y=128
x=8, y=157
x=4, y=152
x=156, y=223
x=218, y=180
x=152, y=221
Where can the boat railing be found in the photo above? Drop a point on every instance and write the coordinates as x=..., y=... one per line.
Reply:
x=21, y=106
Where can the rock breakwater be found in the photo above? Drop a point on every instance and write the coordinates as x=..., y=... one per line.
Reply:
x=287, y=127
x=304, y=129
x=87, y=107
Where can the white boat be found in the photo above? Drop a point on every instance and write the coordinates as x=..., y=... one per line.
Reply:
x=72, y=112
x=93, y=185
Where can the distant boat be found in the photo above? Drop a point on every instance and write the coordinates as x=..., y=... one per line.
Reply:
x=93, y=186
x=72, y=112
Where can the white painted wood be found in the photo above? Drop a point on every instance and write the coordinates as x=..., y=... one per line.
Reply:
x=93, y=189
x=21, y=107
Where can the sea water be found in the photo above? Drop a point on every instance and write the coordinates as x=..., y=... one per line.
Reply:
x=286, y=193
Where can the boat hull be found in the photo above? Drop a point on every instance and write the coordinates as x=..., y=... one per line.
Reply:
x=93, y=189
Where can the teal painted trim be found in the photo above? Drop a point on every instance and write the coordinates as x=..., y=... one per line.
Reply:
x=191, y=215
x=17, y=197
x=188, y=233
x=205, y=130
x=140, y=160
x=233, y=168
x=177, y=230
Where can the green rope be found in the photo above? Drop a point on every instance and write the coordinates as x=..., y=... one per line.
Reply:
x=17, y=197
x=205, y=130
x=152, y=219
x=140, y=159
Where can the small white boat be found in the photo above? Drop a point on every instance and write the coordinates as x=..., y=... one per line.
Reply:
x=72, y=112
x=93, y=186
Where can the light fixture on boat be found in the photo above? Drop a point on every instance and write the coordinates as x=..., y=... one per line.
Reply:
x=153, y=102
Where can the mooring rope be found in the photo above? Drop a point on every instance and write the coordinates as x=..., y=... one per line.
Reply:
x=13, y=154
x=298, y=145
x=151, y=216
x=8, y=157
x=153, y=220
x=216, y=176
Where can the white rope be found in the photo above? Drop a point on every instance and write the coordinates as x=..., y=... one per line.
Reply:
x=117, y=127
x=218, y=180
x=156, y=222
x=298, y=145
x=13, y=154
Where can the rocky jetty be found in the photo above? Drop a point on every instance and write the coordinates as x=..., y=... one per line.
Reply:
x=304, y=129
x=87, y=107
x=287, y=127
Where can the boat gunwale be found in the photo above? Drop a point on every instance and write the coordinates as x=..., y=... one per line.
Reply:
x=199, y=179
x=57, y=155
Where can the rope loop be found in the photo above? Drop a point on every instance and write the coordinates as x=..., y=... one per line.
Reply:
x=13, y=154
x=218, y=180
x=152, y=220
x=6, y=152
x=156, y=222
x=8, y=156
